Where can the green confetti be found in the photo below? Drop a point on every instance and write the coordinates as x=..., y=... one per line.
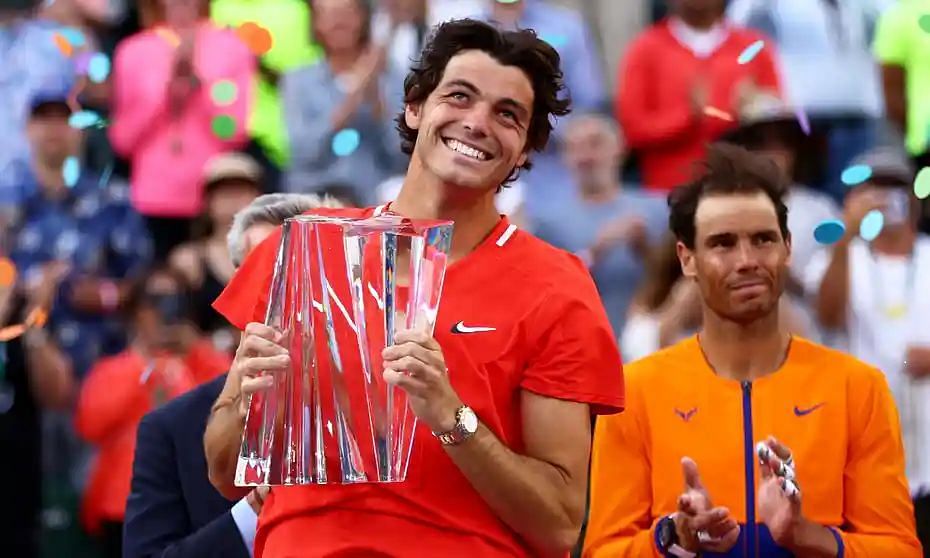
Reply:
x=224, y=92
x=223, y=126
x=922, y=184
x=924, y=22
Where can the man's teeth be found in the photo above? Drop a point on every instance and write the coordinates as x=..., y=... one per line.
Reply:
x=460, y=147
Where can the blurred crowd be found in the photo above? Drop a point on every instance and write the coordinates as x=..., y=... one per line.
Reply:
x=135, y=132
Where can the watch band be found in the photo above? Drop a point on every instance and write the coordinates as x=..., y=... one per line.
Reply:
x=676, y=550
x=459, y=432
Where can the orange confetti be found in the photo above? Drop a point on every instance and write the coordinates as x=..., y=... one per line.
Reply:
x=7, y=272
x=169, y=35
x=63, y=45
x=37, y=317
x=256, y=37
x=12, y=332
x=717, y=113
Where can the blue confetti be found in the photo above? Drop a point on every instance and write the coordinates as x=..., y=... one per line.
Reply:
x=345, y=142
x=75, y=37
x=71, y=171
x=557, y=41
x=83, y=119
x=871, y=225
x=98, y=68
x=750, y=52
x=856, y=174
x=829, y=231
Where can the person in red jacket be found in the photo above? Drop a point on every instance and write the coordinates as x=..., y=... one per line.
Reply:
x=166, y=358
x=681, y=85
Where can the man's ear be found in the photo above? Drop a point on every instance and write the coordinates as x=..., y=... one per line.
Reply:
x=522, y=160
x=412, y=116
x=686, y=258
x=788, y=245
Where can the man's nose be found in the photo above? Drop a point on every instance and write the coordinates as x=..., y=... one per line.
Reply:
x=477, y=121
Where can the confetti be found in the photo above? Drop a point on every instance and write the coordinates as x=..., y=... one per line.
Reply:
x=12, y=332
x=7, y=272
x=223, y=126
x=62, y=43
x=256, y=37
x=224, y=92
x=73, y=36
x=81, y=60
x=856, y=174
x=717, y=113
x=829, y=231
x=803, y=121
x=169, y=36
x=871, y=225
x=71, y=171
x=345, y=142
x=924, y=22
x=37, y=317
x=922, y=184
x=555, y=40
x=750, y=52
x=83, y=119
x=98, y=68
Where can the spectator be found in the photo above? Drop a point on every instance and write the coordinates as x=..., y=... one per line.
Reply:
x=165, y=120
x=829, y=71
x=231, y=182
x=31, y=62
x=708, y=401
x=166, y=358
x=287, y=21
x=672, y=73
x=173, y=510
x=900, y=41
x=873, y=291
x=611, y=227
x=402, y=26
x=86, y=238
x=340, y=110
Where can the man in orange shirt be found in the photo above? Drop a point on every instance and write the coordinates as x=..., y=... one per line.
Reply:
x=830, y=475
x=499, y=465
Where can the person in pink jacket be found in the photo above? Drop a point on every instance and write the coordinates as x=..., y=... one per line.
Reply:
x=181, y=94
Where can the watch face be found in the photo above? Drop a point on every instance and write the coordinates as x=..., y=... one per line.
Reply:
x=665, y=527
x=469, y=421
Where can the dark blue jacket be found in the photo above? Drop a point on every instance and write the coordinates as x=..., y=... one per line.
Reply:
x=173, y=510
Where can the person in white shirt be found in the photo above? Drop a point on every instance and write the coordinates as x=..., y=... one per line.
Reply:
x=876, y=291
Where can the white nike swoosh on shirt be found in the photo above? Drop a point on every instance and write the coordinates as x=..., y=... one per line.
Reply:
x=462, y=328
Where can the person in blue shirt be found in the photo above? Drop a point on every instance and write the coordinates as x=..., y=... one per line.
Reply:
x=612, y=228
x=84, y=234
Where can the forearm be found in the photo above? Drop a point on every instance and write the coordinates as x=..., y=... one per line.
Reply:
x=813, y=541
x=51, y=376
x=536, y=499
x=639, y=545
x=832, y=296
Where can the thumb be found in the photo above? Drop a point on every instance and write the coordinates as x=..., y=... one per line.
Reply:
x=690, y=472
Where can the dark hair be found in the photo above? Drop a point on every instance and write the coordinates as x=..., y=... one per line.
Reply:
x=139, y=288
x=727, y=169
x=522, y=49
x=341, y=191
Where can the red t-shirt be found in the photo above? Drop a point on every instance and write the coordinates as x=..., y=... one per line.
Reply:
x=551, y=337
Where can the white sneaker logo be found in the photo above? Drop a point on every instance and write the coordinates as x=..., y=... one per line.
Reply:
x=462, y=328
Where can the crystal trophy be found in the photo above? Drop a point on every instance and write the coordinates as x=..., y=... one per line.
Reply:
x=341, y=289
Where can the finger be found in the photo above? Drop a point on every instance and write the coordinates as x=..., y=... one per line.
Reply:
x=419, y=352
x=255, y=345
x=414, y=367
x=254, y=385
x=256, y=365
x=264, y=331
x=725, y=542
x=703, y=521
x=780, y=450
x=689, y=470
x=409, y=384
x=417, y=336
x=721, y=528
x=685, y=505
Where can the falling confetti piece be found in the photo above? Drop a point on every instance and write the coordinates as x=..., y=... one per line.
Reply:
x=98, y=68
x=7, y=272
x=345, y=142
x=829, y=231
x=12, y=332
x=256, y=37
x=922, y=184
x=856, y=174
x=750, y=52
x=223, y=126
x=871, y=225
x=803, y=121
x=37, y=317
x=81, y=60
x=74, y=37
x=924, y=22
x=63, y=45
x=224, y=92
x=169, y=35
x=717, y=113
x=556, y=40
x=83, y=119
x=71, y=171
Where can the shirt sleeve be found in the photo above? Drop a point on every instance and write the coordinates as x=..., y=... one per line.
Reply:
x=246, y=522
x=877, y=510
x=137, y=111
x=575, y=355
x=620, y=523
x=892, y=45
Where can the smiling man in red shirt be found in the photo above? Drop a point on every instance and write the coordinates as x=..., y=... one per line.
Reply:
x=521, y=329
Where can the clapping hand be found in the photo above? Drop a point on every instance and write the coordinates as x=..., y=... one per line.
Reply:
x=779, y=497
x=700, y=525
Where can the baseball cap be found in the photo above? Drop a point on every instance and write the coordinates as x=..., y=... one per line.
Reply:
x=231, y=166
x=888, y=162
x=49, y=96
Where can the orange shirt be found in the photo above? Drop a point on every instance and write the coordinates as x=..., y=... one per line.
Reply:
x=118, y=391
x=834, y=412
x=551, y=336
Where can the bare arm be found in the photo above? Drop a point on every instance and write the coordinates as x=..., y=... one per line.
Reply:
x=893, y=79
x=540, y=495
x=221, y=441
x=51, y=375
x=833, y=294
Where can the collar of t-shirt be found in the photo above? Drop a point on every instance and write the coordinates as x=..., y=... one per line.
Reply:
x=702, y=42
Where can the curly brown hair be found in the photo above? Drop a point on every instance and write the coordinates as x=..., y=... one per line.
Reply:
x=522, y=49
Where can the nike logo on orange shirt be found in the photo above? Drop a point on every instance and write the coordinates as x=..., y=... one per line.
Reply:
x=462, y=328
x=686, y=416
x=801, y=412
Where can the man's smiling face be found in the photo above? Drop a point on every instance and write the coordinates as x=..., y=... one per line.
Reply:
x=472, y=129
